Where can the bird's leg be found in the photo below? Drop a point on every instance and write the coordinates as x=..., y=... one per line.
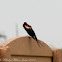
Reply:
x=29, y=37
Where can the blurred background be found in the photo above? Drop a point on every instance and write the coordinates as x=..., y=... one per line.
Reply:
x=45, y=17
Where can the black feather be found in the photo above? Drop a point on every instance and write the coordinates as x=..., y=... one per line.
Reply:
x=31, y=32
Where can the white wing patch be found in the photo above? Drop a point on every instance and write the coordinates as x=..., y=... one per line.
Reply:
x=28, y=27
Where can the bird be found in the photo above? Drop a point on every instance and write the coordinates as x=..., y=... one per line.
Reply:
x=31, y=32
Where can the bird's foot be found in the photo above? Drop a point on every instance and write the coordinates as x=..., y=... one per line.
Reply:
x=29, y=37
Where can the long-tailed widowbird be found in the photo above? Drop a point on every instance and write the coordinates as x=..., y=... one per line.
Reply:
x=31, y=32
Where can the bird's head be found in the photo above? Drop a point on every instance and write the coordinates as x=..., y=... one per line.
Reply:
x=25, y=23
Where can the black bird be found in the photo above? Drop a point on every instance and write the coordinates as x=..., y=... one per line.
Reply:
x=31, y=32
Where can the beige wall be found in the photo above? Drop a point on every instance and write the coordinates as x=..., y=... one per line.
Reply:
x=25, y=49
x=57, y=55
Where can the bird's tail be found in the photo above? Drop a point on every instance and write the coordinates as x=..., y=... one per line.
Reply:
x=38, y=42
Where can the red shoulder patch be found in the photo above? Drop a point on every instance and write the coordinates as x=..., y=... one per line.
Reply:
x=26, y=25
